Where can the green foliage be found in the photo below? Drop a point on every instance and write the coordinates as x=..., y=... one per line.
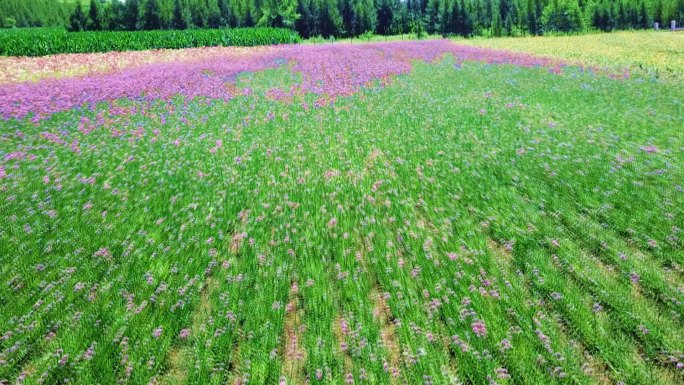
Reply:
x=94, y=19
x=9, y=22
x=367, y=36
x=562, y=16
x=546, y=209
x=36, y=13
x=279, y=13
x=152, y=18
x=182, y=18
x=78, y=20
x=348, y=18
x=418, y=29
x=40, y=42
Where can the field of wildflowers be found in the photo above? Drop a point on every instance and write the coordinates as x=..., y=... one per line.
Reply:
x=384, y=213
x=646, y=53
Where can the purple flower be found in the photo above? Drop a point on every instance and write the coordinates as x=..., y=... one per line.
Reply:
x=479, y=328
x=650, y=149
x=184, y=334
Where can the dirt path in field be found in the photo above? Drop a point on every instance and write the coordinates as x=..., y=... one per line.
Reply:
x=180, y=357
x=383, y=316
x=294, y=354
x=339, y=335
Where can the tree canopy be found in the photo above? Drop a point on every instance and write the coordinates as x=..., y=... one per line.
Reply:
x=345, y=18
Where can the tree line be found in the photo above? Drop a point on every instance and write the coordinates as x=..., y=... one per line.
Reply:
x=347, y=18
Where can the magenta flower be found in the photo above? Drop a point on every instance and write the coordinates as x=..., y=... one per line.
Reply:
x=650, y=149
x=479, y=328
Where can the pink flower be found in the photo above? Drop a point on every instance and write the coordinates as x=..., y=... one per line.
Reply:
x=349, y=378
x=479, y=328
x=649, y=149
x=104, y=253
x=157, y=332
x=184, y=334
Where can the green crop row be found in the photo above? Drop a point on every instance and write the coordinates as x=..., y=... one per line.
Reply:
x=48, y=41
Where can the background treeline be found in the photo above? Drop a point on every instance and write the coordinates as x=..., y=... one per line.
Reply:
x=344, y=18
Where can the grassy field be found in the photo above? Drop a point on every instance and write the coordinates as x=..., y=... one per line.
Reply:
x=389, y=213
x=659, y=54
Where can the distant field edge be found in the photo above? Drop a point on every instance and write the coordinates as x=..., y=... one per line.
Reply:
x=53, y=41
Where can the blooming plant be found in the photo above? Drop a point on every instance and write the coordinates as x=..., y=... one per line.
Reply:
x=386, y=213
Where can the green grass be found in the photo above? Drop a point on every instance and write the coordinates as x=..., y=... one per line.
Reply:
x=363, y=239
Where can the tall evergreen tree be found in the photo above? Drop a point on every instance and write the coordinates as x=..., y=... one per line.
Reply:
x=181, y=15
x=132, y=15
x=279, y=13
x=348, y=17
x=226, y=13
x=562, y=16
x=78, y=20
x=385, y=11
x=152, y=15
x=94, y=21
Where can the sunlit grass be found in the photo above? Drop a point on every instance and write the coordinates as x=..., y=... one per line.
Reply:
x=466, y=223
x=653, y=53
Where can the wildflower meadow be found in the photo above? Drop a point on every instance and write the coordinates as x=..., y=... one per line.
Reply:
x=407, y=212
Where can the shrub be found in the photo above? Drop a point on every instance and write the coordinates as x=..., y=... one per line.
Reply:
x=9, y=22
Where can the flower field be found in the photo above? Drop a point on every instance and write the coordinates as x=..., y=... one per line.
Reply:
x=385, y=213
x=648, y=53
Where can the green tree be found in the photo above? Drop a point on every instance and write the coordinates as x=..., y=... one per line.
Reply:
x=199, y=12
x=226, y=12
x=562, y=16
x=78, y=20
x=534, y=13
x=131, y=15
x=115, y=16
x=94, y=20
x=181, y=15
x=279, y=13
x=385, y=16
x=435, y=16
x=152, y=18
x=9, y=22
x=645, y=20
x=325, y=18
x=365, y=16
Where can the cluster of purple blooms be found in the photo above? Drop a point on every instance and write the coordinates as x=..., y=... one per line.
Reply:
x=330, y=71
